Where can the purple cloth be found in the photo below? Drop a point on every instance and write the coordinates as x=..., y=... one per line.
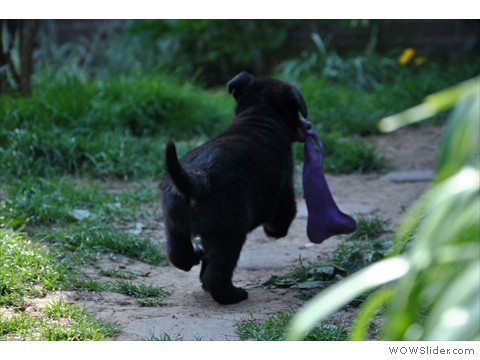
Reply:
x=324, y=217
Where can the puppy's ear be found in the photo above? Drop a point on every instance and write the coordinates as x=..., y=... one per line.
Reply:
x=239, y=83
x=298, y=98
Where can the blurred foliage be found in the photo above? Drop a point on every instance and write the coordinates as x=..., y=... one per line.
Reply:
x=17, y=43
x=366, y=71
x=436, y=295
x=212, y=51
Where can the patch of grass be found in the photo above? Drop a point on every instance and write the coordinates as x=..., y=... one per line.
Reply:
x=64, y=200
x=163, y=337
x=273, y=328
x=148, y=302
x=59, y=321
x=16, y=327
x=344, y=154
x=74, y=282
x=370, y=228
x=167, y=337
x=29, y=270
x=81, y=213
x=61, y=309
x=145, y=295
x=26, y=269
x=88, y=239
x=45, y=153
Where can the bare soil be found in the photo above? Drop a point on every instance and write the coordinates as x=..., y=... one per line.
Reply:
x=190, y=313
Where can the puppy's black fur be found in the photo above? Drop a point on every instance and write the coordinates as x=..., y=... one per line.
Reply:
x=233, y=183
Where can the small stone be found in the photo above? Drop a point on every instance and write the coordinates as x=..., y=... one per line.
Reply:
x=80, y=214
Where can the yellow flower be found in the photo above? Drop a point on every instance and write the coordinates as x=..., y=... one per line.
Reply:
x=420, y=60
x=406, y=56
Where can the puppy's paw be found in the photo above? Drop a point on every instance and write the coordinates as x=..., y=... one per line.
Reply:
x=232, y=296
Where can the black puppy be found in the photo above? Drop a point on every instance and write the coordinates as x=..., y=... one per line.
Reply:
x=233, y=183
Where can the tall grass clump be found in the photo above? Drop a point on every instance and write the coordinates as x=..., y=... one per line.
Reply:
x=430, y=291
x=106, y=128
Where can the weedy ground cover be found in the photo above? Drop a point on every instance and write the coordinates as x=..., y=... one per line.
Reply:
x=273, y=328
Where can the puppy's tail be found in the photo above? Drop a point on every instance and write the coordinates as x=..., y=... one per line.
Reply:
x=190, y=185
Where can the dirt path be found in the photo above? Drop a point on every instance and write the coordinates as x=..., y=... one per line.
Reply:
x=191, y=313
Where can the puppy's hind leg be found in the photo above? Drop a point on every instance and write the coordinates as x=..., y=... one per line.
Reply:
x=217, y=269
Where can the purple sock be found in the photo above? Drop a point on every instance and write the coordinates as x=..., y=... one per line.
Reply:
x=324, y=217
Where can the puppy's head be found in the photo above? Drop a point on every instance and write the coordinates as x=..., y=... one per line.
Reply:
x=268, y=97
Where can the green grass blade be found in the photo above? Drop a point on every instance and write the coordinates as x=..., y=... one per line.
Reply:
x=367, y=312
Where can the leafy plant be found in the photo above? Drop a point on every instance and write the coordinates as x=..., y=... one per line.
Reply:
x=307, y=277
x=434, y=294
x=366, y=71
x=357, y=254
